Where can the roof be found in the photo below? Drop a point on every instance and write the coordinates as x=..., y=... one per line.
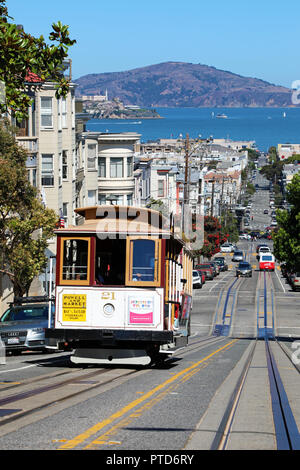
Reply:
x=32, y=77
x=125, y=220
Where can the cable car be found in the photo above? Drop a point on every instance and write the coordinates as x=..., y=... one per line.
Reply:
x=123, y=287
x=266, y=262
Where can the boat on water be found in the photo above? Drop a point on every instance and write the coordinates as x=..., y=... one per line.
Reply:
x=221, y=116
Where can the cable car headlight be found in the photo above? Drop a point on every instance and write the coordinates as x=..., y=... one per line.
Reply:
x=108, y=309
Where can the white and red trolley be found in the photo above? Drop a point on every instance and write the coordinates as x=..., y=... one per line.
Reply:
x=123, y=287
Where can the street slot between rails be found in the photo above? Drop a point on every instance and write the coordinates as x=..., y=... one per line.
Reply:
x=285, y=426
x=79, y=380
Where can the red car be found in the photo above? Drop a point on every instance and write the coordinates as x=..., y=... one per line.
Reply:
x=209, y=273
x=202, y=274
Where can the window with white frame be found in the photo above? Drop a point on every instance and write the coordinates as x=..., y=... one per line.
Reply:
x=161, y=189
x=47, y=170
x=59, y=169
x=65, y=211
x=129, y=167
x=116, y=167
x=91, y=197
x=73, y=112
x=91, y=160
x=64, y=112
x=101, y=199
x=59, y=123
x=46, y=112
x=64, y=165
x=102, y=167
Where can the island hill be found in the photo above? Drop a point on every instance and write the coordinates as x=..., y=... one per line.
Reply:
x=180, y=84
x=99, y=107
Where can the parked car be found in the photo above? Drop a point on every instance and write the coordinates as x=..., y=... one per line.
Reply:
x=221, y=261
x=227, y=248
x=244, y=269
x=295, y=281
x=202, y=275
x=238, y=256
x=208, y=270
x=260, y=245
x=216, y=267
x=22, y=327
x=197, y=281
x=255, y=234
x=245, y=236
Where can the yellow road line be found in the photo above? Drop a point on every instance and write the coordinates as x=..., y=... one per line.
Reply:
x=97, y=427
x=104, y=438
x=10, y=383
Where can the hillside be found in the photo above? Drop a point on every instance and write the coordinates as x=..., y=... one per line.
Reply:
x=179, y=84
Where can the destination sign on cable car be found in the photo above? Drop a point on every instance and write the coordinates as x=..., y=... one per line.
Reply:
x=74, y=307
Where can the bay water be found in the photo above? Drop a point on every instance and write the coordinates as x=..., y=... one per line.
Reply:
x=266, y=126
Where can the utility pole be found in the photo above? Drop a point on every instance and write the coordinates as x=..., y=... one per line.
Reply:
x=186, y=173
x=212, y=198
x=222, y=192
x=185, y=187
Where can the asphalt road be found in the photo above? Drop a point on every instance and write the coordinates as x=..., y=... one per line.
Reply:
x=47, y=405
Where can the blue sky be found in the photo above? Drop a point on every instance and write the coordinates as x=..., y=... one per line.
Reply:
x=251, y=38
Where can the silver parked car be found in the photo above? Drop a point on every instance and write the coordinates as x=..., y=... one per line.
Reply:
x=295, y=281
x=244, y=269
x=238, y=256
x=22, y=327
x=197, y=280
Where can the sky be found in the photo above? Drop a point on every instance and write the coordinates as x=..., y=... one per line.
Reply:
x=256, y=38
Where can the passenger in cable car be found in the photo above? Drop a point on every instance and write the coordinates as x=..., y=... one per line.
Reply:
x=99, y=277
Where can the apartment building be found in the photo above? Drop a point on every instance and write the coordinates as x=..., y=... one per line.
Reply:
x=221, y=190
x=105, y=168
x=161, y=177
x=287, y=150
x=48, y=135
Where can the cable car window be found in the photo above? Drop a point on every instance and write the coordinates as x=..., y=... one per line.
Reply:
x=75, y=261
x=144, y=262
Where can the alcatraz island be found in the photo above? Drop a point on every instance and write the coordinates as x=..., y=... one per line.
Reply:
x=100, y=107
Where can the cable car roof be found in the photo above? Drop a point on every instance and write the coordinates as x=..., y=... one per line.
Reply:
x=128, y=220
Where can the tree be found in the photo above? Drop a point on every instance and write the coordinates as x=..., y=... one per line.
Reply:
x=25, y=224
x=229, y=225
x=250, y=189
x=273, y=155
x=214, y=236
x=272, y=172
x=22, y=53
x=287, y=238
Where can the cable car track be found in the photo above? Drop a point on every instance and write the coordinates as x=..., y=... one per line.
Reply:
x=286, y=430
x=82, y=379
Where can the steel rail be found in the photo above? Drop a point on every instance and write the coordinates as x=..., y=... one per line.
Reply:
x=286, y=429
x=287, y=434
x=37, y=391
